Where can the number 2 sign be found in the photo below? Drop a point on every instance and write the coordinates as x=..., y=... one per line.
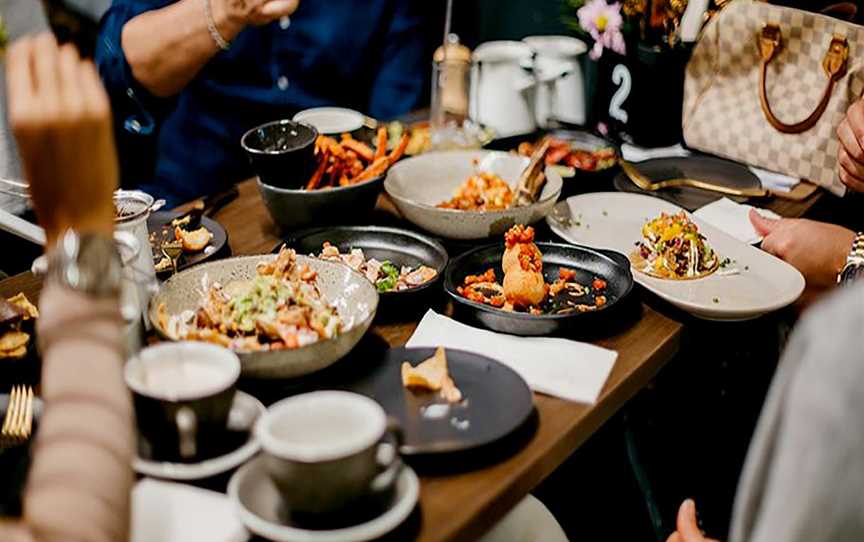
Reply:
x=621, y=78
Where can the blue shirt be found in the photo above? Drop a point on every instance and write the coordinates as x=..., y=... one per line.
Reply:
x=368, y=55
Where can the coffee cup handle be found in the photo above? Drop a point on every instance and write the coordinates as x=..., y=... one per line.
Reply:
x=187, y=427
x=388, y=458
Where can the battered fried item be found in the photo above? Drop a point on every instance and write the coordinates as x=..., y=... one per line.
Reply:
x=432, y=374
x=524, y=285
x=16, y=325
x=195, y=240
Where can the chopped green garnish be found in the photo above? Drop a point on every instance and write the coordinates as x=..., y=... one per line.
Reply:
x=716, y=300
x=391, y=275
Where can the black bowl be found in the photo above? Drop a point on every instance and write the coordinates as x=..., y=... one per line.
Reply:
x=282, y=152
x=588, y=263
x=402, y=247
x=294, y=209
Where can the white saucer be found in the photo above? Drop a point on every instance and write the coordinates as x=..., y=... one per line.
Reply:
x=244, y=413
x=257, y=502
x=331, y=120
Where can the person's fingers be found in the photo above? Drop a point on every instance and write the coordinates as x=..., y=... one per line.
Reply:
x=46, y=66
x=761, y=224
x=686, y=524
x=278, y=8
x=855, y=116
x=849, y=142
x=93, y=92
x=69, y=89
x=851, y=180
x=19, y=80
x=674, y=537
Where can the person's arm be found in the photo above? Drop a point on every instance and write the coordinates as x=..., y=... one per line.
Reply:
x=167, y=47
x=404, y=66
x=79, y=483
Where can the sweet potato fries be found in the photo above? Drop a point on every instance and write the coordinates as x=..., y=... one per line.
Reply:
x=348, y=161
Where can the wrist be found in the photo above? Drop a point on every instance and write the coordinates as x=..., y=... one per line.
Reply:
x=227, y=23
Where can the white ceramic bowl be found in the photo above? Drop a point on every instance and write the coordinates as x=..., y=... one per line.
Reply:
x=418, y=184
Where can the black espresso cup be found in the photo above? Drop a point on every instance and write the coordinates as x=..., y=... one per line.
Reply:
x=282, y=153
x=327, y=452
x=183, y=392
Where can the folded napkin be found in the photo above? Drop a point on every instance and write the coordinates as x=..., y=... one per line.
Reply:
x=733, y=218
x=770, y=180
x=171, y=512
x=567, y=369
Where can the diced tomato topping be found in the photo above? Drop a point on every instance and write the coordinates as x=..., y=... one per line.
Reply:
x=599, y=284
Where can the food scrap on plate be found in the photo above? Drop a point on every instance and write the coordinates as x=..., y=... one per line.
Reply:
x=280, y=308
x=561, y=152
x=524, y=287
x=385, y=275
x=673, y=248
x=192, y=240
x=17, y=315
x=432, y=374
x=349, y=161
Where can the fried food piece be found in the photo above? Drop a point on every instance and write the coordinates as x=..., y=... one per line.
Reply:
x=9, y=312
x=195, y=240
x=13, y=340
x=14, y=354
x=514, y=240
x=20, y=300
x=363, y=150
x=432, y=374
x=524, y=288
x=481, y=192
x=380, y=144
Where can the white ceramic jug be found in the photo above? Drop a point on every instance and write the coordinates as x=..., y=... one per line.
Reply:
x=560, y=92
x=502, y=87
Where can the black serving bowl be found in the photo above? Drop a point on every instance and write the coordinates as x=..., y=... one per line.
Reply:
x=582, y=181
x=588, y=263
x=282, y=152
x=294, y=209
x=401, y=247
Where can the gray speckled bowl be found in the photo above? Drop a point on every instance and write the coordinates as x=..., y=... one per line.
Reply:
x=418, y=184
x=355, y=298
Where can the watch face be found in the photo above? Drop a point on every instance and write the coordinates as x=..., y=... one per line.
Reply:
x=852, y=273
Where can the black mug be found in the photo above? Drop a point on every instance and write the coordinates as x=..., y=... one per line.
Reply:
x=182, y=392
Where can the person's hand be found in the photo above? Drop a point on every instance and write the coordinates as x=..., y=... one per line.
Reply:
x=817, y=249
x=252, y=12
x=850, y=155
x=686, y=526
x=59, y=113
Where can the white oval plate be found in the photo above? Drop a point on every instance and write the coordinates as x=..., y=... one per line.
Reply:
x=256, y=501
x=614, y=220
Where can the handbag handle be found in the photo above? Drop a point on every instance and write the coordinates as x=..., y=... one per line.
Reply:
x=770, y=43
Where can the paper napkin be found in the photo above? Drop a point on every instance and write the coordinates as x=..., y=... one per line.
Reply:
x=171, y=512
x=567, y=369
x=733, y=218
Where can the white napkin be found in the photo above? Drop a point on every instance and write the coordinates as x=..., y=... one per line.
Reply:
x=769, y=179
x=733, y=218
x=171, y=512
x=567, y=369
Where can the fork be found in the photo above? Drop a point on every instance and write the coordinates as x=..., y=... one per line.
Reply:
x=648, y=185
x=18, y=422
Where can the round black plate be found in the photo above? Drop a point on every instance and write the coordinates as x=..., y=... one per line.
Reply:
x=703, y=167
x=497, y=401
x=588, y=263
x=401, y=247
x=218, y=247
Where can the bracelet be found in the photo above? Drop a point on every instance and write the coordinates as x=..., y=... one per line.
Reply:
x=211, y=26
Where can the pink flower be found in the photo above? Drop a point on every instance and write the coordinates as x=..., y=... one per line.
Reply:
x=603, y=23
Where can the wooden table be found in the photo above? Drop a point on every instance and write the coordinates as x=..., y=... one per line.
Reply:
x=463, y=506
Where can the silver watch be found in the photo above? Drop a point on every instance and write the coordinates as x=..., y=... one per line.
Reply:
x=88, y=263
x=854, y=268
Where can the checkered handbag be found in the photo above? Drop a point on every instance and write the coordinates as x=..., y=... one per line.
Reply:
x=768, y=86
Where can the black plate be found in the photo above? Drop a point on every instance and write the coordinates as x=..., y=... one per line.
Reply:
x=582, y=181
x=399, y=246
x=497, y=401
x=700, y=166
x=588, y=263
x=219, y=243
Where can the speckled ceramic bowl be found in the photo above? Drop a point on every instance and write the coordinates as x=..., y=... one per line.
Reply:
x=418, y=184
x=355, y=298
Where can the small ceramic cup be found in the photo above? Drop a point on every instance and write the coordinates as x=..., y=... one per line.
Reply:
x=326, y=451
x=183, y=392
